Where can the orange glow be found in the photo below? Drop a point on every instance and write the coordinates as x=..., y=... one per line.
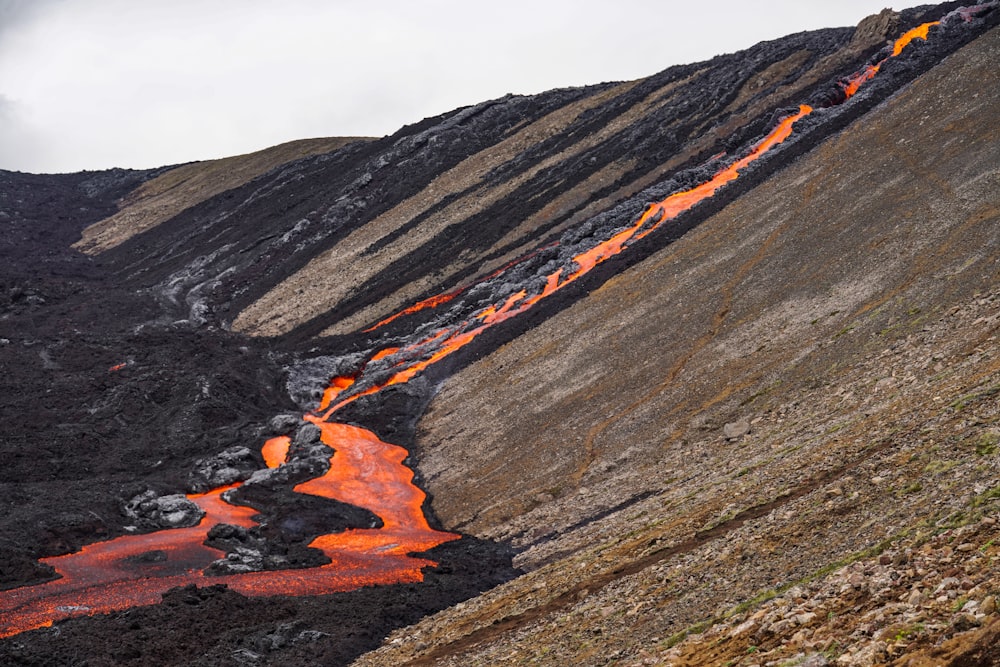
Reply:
x=382, y=354
x=336, y=387
x=275, y=451
x=431, y=302
x=418, y=356
x=655, y=216
x=854, y=82
x=137, y=569
x=677, y=203
x=910, y=35
x=108, y=576
x=364, y=471
x=440, y=299
x=117, y=367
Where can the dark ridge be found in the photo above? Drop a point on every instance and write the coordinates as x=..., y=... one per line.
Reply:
x=335, y=193
x=482, y=230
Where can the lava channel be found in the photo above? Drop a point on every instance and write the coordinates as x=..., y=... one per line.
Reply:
x=135, y=570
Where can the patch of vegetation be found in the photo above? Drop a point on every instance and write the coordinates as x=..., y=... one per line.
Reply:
x=961, y=402
x=695, y=629
x=763, y=392
x=846, y=330
x=833, y=651
x=772, y=593
x=986, y=444
x=937, y=467
x=987, y=497
x=907, y=632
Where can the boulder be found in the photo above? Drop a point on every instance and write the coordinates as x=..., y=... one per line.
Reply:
x=170, y=511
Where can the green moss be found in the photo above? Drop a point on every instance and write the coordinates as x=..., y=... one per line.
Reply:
x=986, y=444
x=846, y=330
x=937, y=467
x=763, y=392
x=695, y=629
x=960, y=403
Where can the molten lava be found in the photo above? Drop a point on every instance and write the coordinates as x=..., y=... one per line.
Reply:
x=855, y=82
x=275, y=451
x=364, y=471
x=137, y=569
x=432, y=302
x=441, y=299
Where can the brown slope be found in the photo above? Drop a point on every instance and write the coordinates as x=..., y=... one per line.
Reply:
x=847, y=309
x=188, y=185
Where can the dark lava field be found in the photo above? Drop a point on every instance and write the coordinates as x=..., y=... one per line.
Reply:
x=146, y=357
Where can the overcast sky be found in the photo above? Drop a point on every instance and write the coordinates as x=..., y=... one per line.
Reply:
x=92, y=84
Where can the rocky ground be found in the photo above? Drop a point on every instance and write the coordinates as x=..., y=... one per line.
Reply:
x=906, y=468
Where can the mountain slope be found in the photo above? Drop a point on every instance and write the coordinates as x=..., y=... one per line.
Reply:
x=840, y=314
x=793, y=382
x=183, y=187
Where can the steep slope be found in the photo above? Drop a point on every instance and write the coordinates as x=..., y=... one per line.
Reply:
x=343, y=240
x=809, y=375
x=795, y=374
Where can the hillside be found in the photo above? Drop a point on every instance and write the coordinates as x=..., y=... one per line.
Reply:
x=695, y=369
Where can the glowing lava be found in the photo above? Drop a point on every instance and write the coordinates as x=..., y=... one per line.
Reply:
x=416, y=357
x=137, y=569
x=855, y=82
x=364, y=471
x=275, y=451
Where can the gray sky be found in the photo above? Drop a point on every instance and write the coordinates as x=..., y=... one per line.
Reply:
x=92, y=84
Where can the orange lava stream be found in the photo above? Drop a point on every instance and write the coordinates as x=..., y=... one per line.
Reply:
x=654, y=217
x=677, y=203
x=113, y=575
x=430, y=302
x=859, y=79
x=137, y=569
x=440, y=299
x=419, y=356
x=910, y=35
x=371, y=473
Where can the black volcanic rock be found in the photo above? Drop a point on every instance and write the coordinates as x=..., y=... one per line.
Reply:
x=123, y=385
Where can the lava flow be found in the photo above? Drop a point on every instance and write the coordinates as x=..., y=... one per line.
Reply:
x=855, y=82
x=418, y=356
x=364, y=471
x=678, y=202
x=415, y=357
x=137, y=569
